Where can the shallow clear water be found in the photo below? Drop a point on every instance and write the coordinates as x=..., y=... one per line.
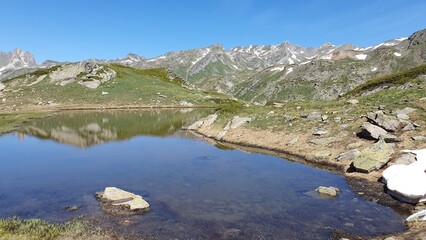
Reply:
x=196, y=190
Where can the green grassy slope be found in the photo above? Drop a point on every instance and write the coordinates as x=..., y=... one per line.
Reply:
x=394, y=79
x=130, y=86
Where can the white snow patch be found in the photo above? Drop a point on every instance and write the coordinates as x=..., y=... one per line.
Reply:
x=374, y=69
x=289, y=71
x=397, y=54
x=401, y=39
x=330, y=51
x=303, y=63
x=312, y=56
x=327, y=57
x=290, y=61
x=151, y=60
x=361, y=56
x=277, y=69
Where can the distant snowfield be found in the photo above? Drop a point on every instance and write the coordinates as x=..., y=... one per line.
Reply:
x=397, y=54
x=361, y=56
x=277, y=69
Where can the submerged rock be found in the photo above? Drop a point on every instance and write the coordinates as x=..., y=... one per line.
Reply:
x=328, y=191
x=115, y=197
x=373, y=157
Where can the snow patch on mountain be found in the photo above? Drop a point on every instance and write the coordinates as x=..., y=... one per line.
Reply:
x=361, y=56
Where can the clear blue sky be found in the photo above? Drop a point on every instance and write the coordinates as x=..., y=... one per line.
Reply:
x=74, y=30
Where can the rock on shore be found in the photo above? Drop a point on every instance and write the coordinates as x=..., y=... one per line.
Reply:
x=373, y=157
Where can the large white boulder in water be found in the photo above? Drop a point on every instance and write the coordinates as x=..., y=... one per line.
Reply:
x=120, y=197
x=408, y=182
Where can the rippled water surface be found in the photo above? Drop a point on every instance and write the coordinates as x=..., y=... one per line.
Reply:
x=196, y=190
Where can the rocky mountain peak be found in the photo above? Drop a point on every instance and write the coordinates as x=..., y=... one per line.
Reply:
x=417, y=38
x=17, y=59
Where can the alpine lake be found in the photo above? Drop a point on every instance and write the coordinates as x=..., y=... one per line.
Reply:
x=196, y=189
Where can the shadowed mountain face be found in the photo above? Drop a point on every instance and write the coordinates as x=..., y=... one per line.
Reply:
x=85, y=129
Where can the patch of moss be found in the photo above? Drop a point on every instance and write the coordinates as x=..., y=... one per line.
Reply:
x=394, y=79
x=36, y=229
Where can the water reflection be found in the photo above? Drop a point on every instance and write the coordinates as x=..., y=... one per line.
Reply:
x=84, y=129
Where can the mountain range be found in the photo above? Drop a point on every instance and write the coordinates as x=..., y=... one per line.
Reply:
x=261, y=73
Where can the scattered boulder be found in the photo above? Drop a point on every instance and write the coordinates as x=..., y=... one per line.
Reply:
x=328, y=191
x=406, y=111
x=277, y=105
x=353, y=101
x=195, y=125
x=354, y=145
x=239, y=121
x=408, y=126
x=323, y=141
x=371, y=131
x=419, y=138
x=186, y=104
x=322, y=155
x=114, y=197
x=293, y=141
x=373, y=157
x=209, y=120
x=312, y=116
x=324, y=118
x=2, y=87
x=402, y=116
x=337, y=119
x=105, y=93
x=287, y=118
x=386, y=122
x=406, y=159
x=222, y=134
x=270, y=113
x=205, y=122
x=348, y=156
x=320, y=132
x=418, y=216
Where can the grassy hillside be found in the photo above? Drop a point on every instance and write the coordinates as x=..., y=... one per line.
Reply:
x=129, y=87
x=394, y=79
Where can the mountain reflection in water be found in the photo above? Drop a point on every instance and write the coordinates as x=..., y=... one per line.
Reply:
x=85, y=129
